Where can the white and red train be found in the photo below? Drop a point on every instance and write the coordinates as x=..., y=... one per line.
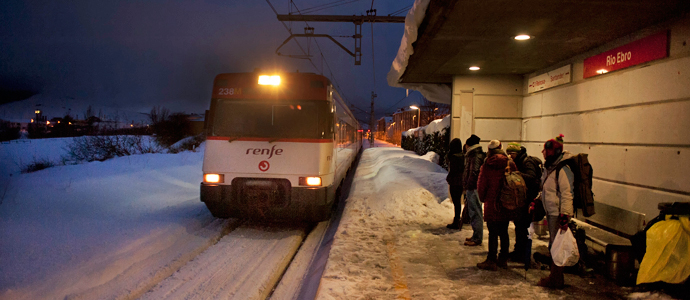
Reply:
x=278, y=147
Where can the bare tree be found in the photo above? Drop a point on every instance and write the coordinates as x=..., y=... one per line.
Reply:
x=158, y=114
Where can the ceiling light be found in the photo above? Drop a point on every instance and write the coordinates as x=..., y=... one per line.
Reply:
x=474, y=68
x=522, y=37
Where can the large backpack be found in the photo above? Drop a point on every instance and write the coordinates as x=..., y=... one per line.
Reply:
x=583, y=197
x=513, y=190
x=536, y=184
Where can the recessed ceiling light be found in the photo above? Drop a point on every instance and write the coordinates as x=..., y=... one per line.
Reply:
x=522, y=37
x=474, y=68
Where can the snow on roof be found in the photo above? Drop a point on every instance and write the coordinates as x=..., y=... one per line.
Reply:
x=440, y=93
x=434, y=126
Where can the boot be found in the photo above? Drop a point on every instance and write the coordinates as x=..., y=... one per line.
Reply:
x=554, y=280
x=502, y=261
x=455, y=225
x=488, y=265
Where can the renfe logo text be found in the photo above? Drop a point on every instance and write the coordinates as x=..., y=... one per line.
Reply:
x=269, y=152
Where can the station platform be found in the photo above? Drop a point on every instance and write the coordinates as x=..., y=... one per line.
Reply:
x=392, y=243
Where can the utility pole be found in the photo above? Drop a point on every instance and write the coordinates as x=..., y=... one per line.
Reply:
x=371, y=121
x=371, y=17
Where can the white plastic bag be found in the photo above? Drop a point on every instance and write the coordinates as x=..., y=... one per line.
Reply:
x=564, y=249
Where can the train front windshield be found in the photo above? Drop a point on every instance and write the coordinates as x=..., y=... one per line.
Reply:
x=272, y=119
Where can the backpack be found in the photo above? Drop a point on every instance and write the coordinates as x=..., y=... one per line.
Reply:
x=538, y=172
x=513, y=190
x=583, y=198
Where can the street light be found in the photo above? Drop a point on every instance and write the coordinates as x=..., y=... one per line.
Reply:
x=420, y=113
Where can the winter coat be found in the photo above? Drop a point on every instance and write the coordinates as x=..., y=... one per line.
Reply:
x=457, y=167
x=474, y=158
x=549, y=196
x=530, y=169
x=489, y=188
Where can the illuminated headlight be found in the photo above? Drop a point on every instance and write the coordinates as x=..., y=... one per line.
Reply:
x=269, y=80
x=310, y=181
x=214, y=178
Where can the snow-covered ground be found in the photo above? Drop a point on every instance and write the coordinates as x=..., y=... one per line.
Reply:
x=134, y=226
x=69, y=229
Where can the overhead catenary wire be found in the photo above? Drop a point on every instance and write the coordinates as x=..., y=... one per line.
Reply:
x=330, y=70
x=326, y=6
x=290, y=31
x=396, y=103
x=406, y=8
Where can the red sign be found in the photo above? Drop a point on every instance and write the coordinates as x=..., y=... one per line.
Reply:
x=641, y=51
x=264, y=165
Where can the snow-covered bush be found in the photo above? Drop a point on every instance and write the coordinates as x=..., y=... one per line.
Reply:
x=104, y=147
x=436, y=141
x=169, y=130
x=187, y=144
x=37, y=165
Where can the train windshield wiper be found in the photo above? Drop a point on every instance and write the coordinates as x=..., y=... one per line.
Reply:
x=273, y=140
x=232, y=139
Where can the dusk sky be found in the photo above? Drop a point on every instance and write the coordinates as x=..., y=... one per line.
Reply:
x=137, y=54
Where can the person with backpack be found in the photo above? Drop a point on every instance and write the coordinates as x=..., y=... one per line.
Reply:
x=557, y=198
x=530, y=169
x=456, y=166
x=474, y=158
x=496, y=216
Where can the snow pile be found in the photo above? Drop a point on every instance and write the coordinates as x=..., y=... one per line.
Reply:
x=434, y=126
x=68, y=229
x=398, y=184
x=437, y=125
x=392, y=189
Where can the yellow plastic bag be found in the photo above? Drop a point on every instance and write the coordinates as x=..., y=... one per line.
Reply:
x=668, y=252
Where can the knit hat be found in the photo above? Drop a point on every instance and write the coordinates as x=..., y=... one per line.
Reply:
x=472, y=140
x=495, y=144
x=455, y=146
x=513, y=147
x=554, y=146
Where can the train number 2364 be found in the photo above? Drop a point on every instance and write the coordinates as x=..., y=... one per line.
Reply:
x=229, y=91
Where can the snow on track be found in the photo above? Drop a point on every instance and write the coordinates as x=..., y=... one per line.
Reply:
x=245, y=264
x=153, y=267
x=289, y=287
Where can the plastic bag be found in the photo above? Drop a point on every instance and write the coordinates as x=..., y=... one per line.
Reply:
x=668, y=245
x=564, y=249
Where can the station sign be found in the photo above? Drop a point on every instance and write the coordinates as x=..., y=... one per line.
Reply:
x=551, y=79
x=641, y=51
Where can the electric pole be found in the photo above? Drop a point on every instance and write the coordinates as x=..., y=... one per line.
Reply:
x=371, y=121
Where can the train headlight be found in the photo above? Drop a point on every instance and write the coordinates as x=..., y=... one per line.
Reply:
x=269, y=80
x=310, y=181
x=214, y=178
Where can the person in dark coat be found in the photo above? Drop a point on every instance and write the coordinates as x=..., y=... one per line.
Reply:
x=530, y=169
x=496, y=217
x=474, y=158
x=456, y=160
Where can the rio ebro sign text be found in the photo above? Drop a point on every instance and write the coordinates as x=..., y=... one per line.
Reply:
x=641, y=51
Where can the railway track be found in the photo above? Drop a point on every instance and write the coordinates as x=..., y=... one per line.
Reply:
x=223, y=258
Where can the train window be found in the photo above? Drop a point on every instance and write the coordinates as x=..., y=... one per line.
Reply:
x=256, y=118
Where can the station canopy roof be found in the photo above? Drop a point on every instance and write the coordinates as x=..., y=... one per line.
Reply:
x=457, y=34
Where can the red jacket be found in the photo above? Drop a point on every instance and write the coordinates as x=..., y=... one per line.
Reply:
x=489, y=185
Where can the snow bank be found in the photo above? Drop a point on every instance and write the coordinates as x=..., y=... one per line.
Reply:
x=398, y=184
x=69, y=228
x=434, y=126
x=392, y=189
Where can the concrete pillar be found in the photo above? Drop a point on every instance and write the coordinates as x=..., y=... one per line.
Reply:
x=488, y=106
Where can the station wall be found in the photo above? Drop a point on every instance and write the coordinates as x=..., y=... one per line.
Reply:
x=634, y=123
